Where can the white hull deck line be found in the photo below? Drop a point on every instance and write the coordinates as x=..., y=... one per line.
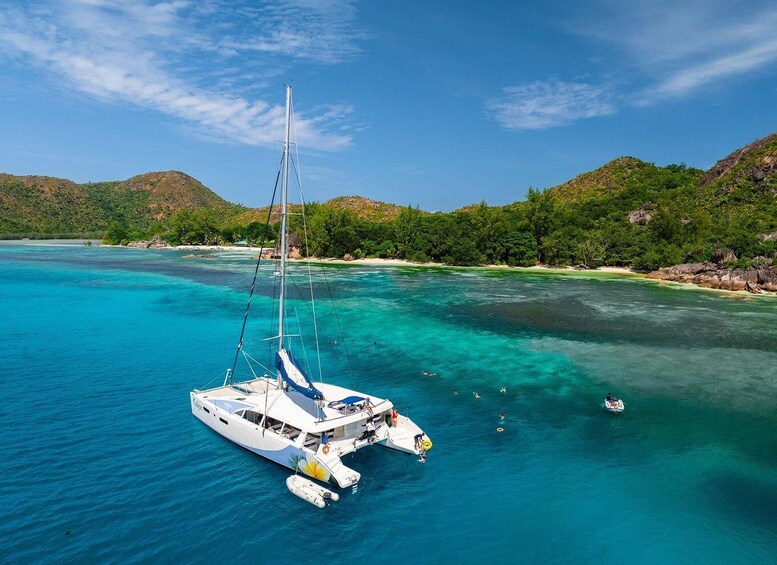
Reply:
x=291, y=434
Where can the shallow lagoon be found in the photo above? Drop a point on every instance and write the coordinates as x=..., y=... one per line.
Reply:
x=100, y=347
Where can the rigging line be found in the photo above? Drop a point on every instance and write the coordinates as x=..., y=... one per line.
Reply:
x=249, y=358
x=298, y=176
x=339, y=327
x=205, y=387
x=318, y=352
x=250, y=367
x=253, y=283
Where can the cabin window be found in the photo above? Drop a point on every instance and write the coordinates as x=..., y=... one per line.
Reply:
x=273, y=424
x=290, y=432
x=224, y=421
x=253, y=417
x=208, y=411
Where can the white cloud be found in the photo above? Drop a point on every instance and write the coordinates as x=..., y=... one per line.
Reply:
x=541, y=105
x=683, y=47
x=320, y=31
x=166, y=57
x=688, y=79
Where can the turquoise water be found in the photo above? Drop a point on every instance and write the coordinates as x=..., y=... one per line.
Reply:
x=101, y=460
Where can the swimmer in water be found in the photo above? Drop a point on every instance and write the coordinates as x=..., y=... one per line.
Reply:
x=502, y=417
x=476, y=395
x=503, y=390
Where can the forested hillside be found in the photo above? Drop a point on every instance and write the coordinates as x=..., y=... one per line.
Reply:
x=35, y=206
x=627, y=212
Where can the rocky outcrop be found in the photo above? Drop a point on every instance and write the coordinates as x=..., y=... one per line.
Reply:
x=767, y=236
x=642, y=215
x=293, y=247
x=757, y=171
x=155, y=243
x=762, y=277
x=723, y=256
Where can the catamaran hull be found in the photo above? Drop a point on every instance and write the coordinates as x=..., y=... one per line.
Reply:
x=266, y=444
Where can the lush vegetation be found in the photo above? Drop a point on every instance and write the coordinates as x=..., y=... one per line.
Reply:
x=588, y=221
x=583, y=222
x=36, y=206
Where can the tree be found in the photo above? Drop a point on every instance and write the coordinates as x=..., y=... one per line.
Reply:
x=194, y=227
x=255, y=232
x=592, y=250
x=520, y=249
x=333, y=232
x=117, y=234
x=489, y=229
x=408, y=231
x=464, y=253
x=560, y=246
x=541, y=214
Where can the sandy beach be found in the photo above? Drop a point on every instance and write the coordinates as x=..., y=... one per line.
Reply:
x=599, y=271
x=375, y=262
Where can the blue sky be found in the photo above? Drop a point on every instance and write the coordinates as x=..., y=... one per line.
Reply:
x=427, y=103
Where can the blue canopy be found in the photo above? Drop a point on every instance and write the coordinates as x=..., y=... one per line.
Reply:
x=352, y=399
x=293, y=374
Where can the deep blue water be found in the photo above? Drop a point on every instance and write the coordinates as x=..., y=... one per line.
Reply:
x=99, y=348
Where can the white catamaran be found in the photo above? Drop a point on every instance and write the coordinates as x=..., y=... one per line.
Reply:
x=287, y=418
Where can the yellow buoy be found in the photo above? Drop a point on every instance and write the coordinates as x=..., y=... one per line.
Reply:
x=426, y=445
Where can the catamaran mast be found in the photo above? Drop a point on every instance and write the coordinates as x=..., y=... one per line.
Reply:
x=284, y=204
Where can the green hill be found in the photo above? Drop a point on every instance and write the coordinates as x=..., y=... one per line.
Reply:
x=627, y=212
x=611, y=179
x=46, y=205
x=365, y=209
x=35, y=205
x=153, y=198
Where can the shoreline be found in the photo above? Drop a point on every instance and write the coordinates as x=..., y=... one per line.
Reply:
x=540, y=268
x=377, y=262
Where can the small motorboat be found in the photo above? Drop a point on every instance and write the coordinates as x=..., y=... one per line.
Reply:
x=309, y=491
x=614, y=405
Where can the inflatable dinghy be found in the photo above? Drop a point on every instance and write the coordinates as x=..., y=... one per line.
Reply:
x=310, y=491
x=614, y=405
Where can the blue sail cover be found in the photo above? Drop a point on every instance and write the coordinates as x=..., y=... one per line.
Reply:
x=295, y=376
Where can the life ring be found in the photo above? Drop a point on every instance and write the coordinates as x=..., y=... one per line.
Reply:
x=325, y=449
x=426, y=445
x=500, y=430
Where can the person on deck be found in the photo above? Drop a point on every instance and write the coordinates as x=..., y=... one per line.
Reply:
x=610, y=398
x=369, y=430
x=418, y=439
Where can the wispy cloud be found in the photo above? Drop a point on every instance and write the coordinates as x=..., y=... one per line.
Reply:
x=161, y=56
x=541, y=105
x=321, y=31
x=683, y=47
